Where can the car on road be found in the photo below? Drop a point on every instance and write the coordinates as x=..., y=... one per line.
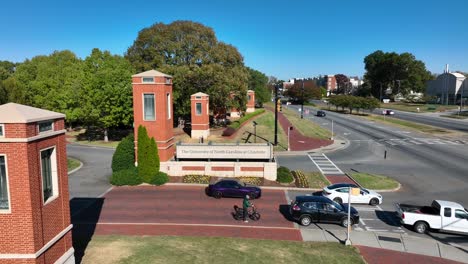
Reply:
x=321, y=113
x=388, y=112
x=340, y=192
x=233, y=188
x=441, y=215
x=310, y=209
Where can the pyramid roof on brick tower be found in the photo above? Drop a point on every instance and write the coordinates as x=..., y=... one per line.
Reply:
x=151, y=73
x=18, y=113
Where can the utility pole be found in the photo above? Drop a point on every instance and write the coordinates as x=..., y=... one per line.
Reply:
x=381, y=92
x=302, y=100
x=276, y=114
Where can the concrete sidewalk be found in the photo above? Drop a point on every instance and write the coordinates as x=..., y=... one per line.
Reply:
x=397, y=243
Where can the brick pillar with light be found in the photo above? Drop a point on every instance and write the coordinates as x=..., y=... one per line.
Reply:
x=152, y=108
x=200, y=115
x=35, y=222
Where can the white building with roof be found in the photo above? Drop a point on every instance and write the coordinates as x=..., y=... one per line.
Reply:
x=448, y=88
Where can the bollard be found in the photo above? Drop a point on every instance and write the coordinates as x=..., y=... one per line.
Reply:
x=385, y=154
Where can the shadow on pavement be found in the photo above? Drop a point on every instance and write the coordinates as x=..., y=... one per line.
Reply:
x=284, y=210
x=451, y=239
x=85, y=214
x=388, y=217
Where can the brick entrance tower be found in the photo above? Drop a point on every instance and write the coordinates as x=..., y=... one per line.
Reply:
x=34, y=200
x=152, y=108
x=250, y=101
x=200, y=115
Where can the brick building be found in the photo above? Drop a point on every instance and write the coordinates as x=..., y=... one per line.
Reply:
x=152, y=108
x=34, y=201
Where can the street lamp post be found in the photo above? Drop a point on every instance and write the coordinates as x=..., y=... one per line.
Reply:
x=255, y=131
x=276, y=114
x=381, y=92
x=302, y=100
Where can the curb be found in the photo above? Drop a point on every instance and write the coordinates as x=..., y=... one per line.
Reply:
x=90, y=146
x=76, y=169
x=391, y=190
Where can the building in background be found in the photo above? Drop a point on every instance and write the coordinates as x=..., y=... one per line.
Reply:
x=448, y=88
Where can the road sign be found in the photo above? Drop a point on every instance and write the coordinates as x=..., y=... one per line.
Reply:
x=355, y=191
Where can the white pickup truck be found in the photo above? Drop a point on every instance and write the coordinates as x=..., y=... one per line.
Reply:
x=441, y=215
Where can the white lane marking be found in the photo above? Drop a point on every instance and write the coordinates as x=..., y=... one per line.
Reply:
x=322, y=159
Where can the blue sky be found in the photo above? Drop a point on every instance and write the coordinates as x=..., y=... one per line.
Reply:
x=285, y=39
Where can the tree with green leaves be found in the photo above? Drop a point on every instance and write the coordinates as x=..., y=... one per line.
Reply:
x=107, y=91
x=197, y=61
x=258, y=82
x=7, y=69
x=400, y=72
x=311, y=91
x=51, y=82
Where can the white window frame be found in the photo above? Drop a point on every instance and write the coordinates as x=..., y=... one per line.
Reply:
x=196, y=109
x=168, y=105
x=143, y=106
x=6, y=211
x=143, y=79
x=43, y=122
x=168, y=80
x=54, y=175
x=2, y=128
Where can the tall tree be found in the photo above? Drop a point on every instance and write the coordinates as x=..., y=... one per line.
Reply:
x=342, y=82
x=7, y=69
x=311, y=91
x=400, y=72
x=107, y=93
x=52, y=82
x=197, y=61
x=258, y=82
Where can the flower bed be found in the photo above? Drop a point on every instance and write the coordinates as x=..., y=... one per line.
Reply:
x=301, y=179
x=251, y=180
x=201, y=179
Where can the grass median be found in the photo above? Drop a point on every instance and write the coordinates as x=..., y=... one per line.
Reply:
x=374, y=181
x=164, y=249
x=72, y=164
x=408, y=124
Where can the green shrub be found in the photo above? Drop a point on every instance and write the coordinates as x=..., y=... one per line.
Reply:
x=148, y=160
x=124, y=155
x=126, y=177
x=284, y=175
x=160, y=178
x=246, y=117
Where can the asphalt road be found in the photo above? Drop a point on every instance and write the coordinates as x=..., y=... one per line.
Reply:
x=428, y=167
x=92, y=179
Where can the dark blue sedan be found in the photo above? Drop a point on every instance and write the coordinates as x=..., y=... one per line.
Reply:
x=233, y=188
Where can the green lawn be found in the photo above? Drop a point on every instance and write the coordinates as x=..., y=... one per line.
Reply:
x=316, y=180
x=374, y=181
x=407, y=124
x=306, y=126
x=413, y=107
x=72, y=164
x=265, y=130
x=164, y=249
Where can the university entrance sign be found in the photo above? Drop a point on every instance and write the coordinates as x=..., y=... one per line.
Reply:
x=224, y=151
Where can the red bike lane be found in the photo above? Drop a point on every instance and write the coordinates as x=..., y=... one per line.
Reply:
x=186, y=210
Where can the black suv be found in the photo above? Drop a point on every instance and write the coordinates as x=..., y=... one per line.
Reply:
x=321, y=113
x=308, y=209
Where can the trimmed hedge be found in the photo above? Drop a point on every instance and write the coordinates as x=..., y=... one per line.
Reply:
x=238, y=123
x=124, y=156
x=284, y=175
x=160, y=178
x=126, y=177
x=232, y=128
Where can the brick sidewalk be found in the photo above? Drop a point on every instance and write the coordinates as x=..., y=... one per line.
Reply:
x=297, y=141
